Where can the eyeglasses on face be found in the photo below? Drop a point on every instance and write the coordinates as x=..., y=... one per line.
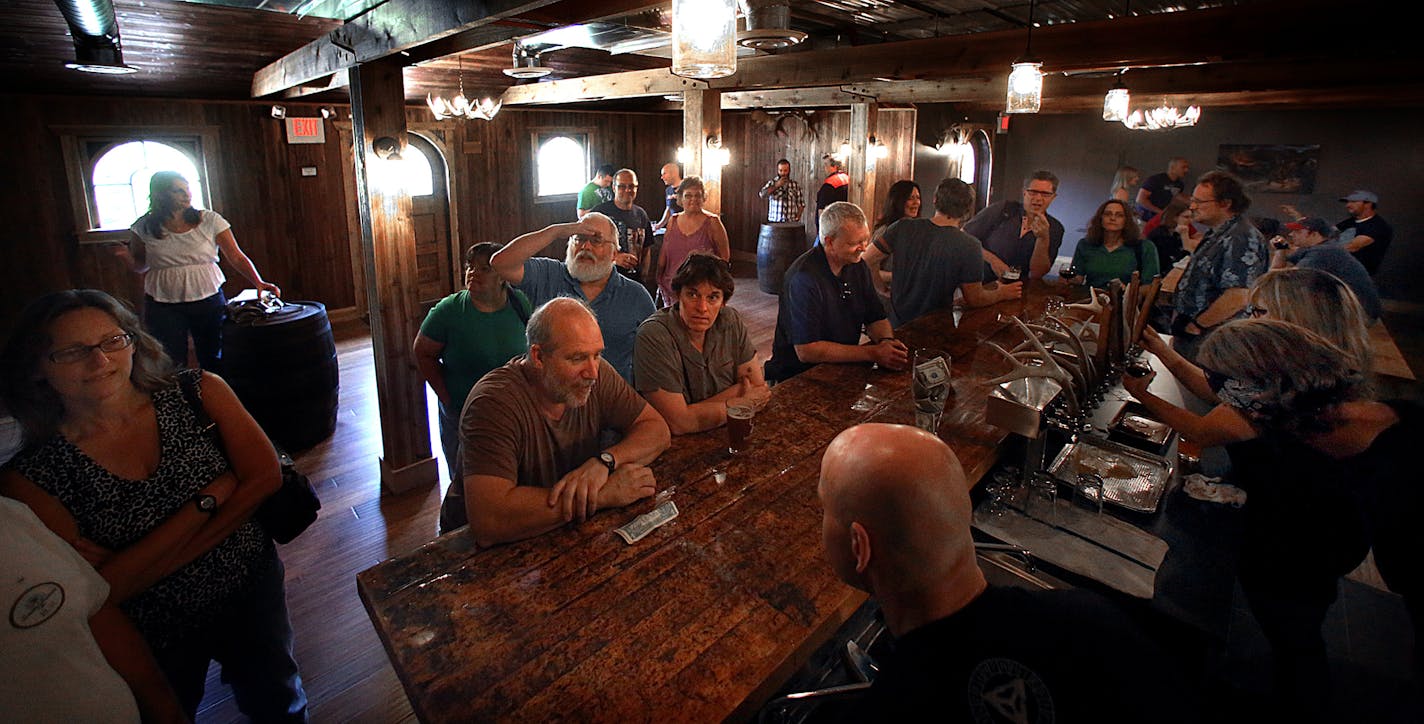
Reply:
x=627, y=187
x=1040, y=194
x=1196, y=201
x=1255, y=311
x=81, y=352
x=596, y=242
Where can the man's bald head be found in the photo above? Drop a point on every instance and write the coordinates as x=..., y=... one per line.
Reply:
x=897, y=510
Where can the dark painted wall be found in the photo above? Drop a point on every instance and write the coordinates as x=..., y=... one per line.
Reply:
x=1377, y=150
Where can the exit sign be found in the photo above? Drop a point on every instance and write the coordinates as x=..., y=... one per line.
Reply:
x=305, y=130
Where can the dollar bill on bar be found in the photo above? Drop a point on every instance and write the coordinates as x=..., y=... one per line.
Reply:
x=932, y=372
x=639, y=527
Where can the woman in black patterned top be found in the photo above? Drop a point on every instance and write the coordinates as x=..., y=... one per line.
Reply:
x=116, y=464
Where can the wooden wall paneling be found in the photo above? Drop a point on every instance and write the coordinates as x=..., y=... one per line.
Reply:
x=860, y=166
x=895, y=127
x=388, y=242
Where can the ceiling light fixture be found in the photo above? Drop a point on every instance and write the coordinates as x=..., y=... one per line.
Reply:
x=1116, y=102
x=461, y=107
x=526, y=64
x=1163, y=117
x=1025, y=93
x=704, y=38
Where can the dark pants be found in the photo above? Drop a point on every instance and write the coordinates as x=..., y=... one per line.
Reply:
x=252, y=640
x=1290, y=614
x=452, y=508
x=172, y=322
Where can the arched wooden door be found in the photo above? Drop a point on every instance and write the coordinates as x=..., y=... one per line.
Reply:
x=438, y=271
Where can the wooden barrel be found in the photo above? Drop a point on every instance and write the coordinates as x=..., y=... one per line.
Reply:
x=283, y=368
x=777, y=246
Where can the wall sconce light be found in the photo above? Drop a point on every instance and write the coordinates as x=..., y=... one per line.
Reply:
x=704, y=38
x=1026, y=78
x=876, y=149
x=386, y=148
x=328, y=113
x=279, y=112
x=683, y=155
x=843, y=153
x=715, y=155
x=1115, y=103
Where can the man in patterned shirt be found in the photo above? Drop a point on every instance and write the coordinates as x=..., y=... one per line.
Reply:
x=1215, y=287
x=783, y=196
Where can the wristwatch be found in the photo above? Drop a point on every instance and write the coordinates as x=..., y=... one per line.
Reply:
x=206, y=503
x=606, y=458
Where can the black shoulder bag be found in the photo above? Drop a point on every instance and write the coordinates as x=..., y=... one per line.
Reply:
x=285, y=513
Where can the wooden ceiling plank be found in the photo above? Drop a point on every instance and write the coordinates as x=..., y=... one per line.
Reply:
x=1219, y=34
x=388, y=28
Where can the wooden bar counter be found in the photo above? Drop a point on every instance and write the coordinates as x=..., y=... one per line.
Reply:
x=700, y=621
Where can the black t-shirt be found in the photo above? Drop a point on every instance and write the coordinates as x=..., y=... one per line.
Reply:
x=1014, y=655
x=1162, y=188
x=1374, y=227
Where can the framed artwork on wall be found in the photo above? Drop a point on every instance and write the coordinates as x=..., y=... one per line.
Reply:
x=1271, y=168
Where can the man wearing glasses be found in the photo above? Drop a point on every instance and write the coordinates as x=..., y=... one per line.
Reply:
x=586, y=273
x=635, y=228
x=1215, y=286
x=1021, y=235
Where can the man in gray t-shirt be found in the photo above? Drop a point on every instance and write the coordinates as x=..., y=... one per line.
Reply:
x=934, y=257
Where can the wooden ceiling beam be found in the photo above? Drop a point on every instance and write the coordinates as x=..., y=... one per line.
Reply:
x=406, y=25
x=386, y=29
x=1219, y=35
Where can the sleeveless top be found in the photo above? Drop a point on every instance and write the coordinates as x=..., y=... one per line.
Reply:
x=115, y=513
x=676, y=247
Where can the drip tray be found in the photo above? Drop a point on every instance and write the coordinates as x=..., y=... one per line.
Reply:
x=1131, y=479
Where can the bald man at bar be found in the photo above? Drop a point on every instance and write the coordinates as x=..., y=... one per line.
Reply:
x=896, y=523
x=531, y=435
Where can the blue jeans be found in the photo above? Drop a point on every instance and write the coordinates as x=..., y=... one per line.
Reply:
x=252, y=640
x=172, y=322
x=452, y=508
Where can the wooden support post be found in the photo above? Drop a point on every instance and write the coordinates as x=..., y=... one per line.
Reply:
x=388, y=252
x=702, y=118
x=862, y=166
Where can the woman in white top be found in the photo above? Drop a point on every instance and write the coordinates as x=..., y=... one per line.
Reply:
x=176, y=247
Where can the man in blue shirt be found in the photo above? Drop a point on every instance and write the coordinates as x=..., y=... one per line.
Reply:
x=1021, y=235
x=828, y=299
x=1228, y=260
x=1311, y=247
x=586, y=273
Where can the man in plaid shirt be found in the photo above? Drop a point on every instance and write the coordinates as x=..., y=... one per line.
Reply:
x=783, y=196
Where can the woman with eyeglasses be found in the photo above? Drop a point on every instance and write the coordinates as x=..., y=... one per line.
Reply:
x=693, y=357
x=464, y=336
x=1331, y=480
x=694, y=231
x=115, y=463
x=175, y=247
x=1113, y=248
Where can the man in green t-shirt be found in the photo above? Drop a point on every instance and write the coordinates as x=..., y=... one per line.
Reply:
x=597, y=191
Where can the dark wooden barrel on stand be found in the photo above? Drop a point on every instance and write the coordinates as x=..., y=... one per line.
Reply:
x=777, y=246
x=282, y=365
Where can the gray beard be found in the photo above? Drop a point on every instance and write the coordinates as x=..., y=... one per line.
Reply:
x=587, y=271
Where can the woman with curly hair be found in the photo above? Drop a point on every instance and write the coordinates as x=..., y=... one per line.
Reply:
x=1113, y=248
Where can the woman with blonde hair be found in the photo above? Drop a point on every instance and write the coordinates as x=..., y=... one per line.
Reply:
x=1327, y=481
x=1310, y=298
x=1122, y=183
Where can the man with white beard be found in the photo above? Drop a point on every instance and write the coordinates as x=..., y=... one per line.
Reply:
x=586, y=274
x=532, y=430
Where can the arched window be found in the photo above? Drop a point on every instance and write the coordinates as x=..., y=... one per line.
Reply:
x=119, y=181
x=561, y=164
x=415, y=171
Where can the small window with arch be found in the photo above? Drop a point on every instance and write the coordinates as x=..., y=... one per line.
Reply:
x=561, y=164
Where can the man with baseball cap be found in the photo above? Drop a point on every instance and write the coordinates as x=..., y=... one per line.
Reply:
x=1365, y=234
x=1313, y=246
